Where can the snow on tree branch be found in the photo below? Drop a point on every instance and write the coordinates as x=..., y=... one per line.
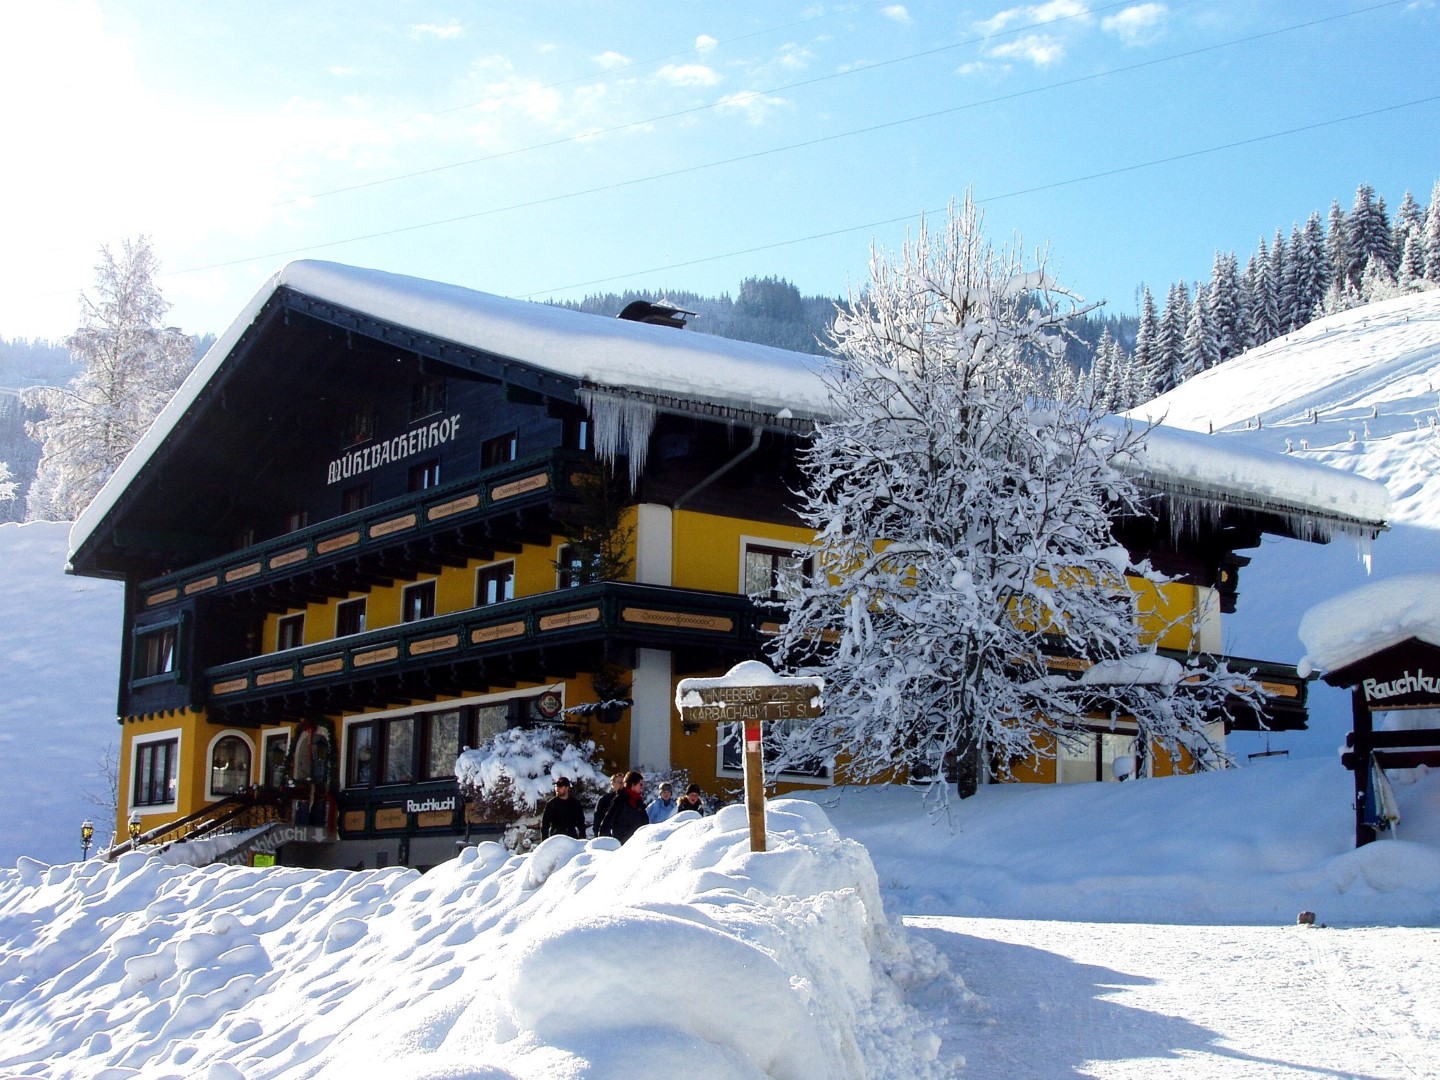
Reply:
x=962, y=500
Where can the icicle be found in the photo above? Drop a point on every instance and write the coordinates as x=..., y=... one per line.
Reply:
x=622, y=427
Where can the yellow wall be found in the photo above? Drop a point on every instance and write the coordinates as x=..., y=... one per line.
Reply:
x=708, y=548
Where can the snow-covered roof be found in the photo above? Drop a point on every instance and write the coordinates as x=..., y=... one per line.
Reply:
x=626, y=366
x=1367, y=620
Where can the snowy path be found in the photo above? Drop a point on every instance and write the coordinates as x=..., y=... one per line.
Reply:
x=1121, y=1000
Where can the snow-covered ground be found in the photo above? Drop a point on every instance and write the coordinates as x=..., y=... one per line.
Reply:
x=1134, y=930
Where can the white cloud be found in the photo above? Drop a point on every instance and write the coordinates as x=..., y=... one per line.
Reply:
x=755, y=107
x=443, y=31
x=898, y=13
x=1031, y=14
x=1138, y=25
x=610, y=60
x=687, y=75
x=704, y=43
x=1042, y=50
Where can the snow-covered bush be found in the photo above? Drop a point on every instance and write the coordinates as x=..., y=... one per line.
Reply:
x=509, y=779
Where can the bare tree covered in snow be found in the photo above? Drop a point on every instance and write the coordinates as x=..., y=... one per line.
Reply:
x=963, y=520
x=131, y=364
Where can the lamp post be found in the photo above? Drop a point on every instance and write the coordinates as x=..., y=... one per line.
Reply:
x=134, y=826
x=87, y=833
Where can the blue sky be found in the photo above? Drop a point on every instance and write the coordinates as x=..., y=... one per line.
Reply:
x=548, y=149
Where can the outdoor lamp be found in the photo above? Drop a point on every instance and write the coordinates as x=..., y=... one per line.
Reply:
x=87, y=833
x=134, y=826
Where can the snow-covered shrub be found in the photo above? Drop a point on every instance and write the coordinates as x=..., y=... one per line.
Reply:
x=509, y=779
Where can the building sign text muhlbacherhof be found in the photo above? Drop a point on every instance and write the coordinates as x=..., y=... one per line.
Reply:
x=416, y=441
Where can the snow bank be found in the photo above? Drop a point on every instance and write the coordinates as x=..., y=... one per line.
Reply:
x=1244, y=846
x=682, y=948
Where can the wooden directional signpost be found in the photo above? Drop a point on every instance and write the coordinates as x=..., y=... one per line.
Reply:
x=750, y=694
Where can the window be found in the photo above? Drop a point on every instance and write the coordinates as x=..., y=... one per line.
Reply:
x=290, y=631
x=418, y=602
x=296, y=520
x=499, y=450
x=350, y=617
x=229, y=766
x=155, y=772
x=427, y=397
x=494, y=584
x=442, y=743
x=399, y=748
x=359, y=426
x=731, y=738
x=571, y=571
x=277, y=743
x=1087, y=756
x=243, y=539
x=576, y=435
x=355, y=498
x=425, y=476
x=155, y=652
x=360, y=756
x=774, y=574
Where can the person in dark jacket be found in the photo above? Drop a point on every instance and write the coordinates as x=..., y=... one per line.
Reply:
x=627, y=810
x=563, y=815
x=617, y=783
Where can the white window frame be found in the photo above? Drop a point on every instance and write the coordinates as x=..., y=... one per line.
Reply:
x=136, y=744
x=210, y=794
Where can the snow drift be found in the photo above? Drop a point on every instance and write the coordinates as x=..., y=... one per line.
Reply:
x=579, y=959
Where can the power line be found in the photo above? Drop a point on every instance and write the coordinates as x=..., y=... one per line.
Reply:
x=745, y=95
x=799, y=144
x=989, y=199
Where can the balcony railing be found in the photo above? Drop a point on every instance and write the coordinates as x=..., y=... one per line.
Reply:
x=492, y=494
x=724, y=625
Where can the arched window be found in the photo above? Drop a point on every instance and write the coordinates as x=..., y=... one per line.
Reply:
x=229, y=765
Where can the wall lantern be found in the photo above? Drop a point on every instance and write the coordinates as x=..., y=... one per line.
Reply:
x=134, y=827
x=87, y=833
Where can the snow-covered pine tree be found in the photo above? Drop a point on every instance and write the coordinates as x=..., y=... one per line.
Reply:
x=1170, y=346
x=1409, y=221
x=1337, y=248
x=962, y=518
x=1201, y=350
x=1432, y=236
x=1283, y=281
x=1101, y=390
x=131, y=365
x=1227, y=312
x=1412, y=261
x=1264, y=303
x=1143, y=360
x=1312, y=274
x=1370, y=238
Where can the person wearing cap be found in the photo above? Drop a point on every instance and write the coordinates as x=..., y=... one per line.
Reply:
x=663, y=808
x=691, y=800
x=563, y=815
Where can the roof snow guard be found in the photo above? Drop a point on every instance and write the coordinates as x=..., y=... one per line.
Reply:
x=628, y=372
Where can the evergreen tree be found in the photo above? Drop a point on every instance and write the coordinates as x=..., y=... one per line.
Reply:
x=1143, y=359
x=1283, y=282
x=1202, y=352
x=1264, y=297
x=1432, y=236
x=1412, y=261
x=1369, y=236
x=1337, y=248
x=959, y=524
x=1101, y=389
x=1226, y=310
x=1409, y=221
x=131, y=364
x=1312, y=271
x=1170, y=359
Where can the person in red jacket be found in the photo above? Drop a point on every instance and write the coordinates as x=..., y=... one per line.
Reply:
x=627, y=811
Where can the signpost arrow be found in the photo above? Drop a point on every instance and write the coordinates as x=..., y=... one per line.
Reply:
x=750, y=694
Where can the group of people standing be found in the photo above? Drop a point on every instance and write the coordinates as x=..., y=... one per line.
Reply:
x=620, y=811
